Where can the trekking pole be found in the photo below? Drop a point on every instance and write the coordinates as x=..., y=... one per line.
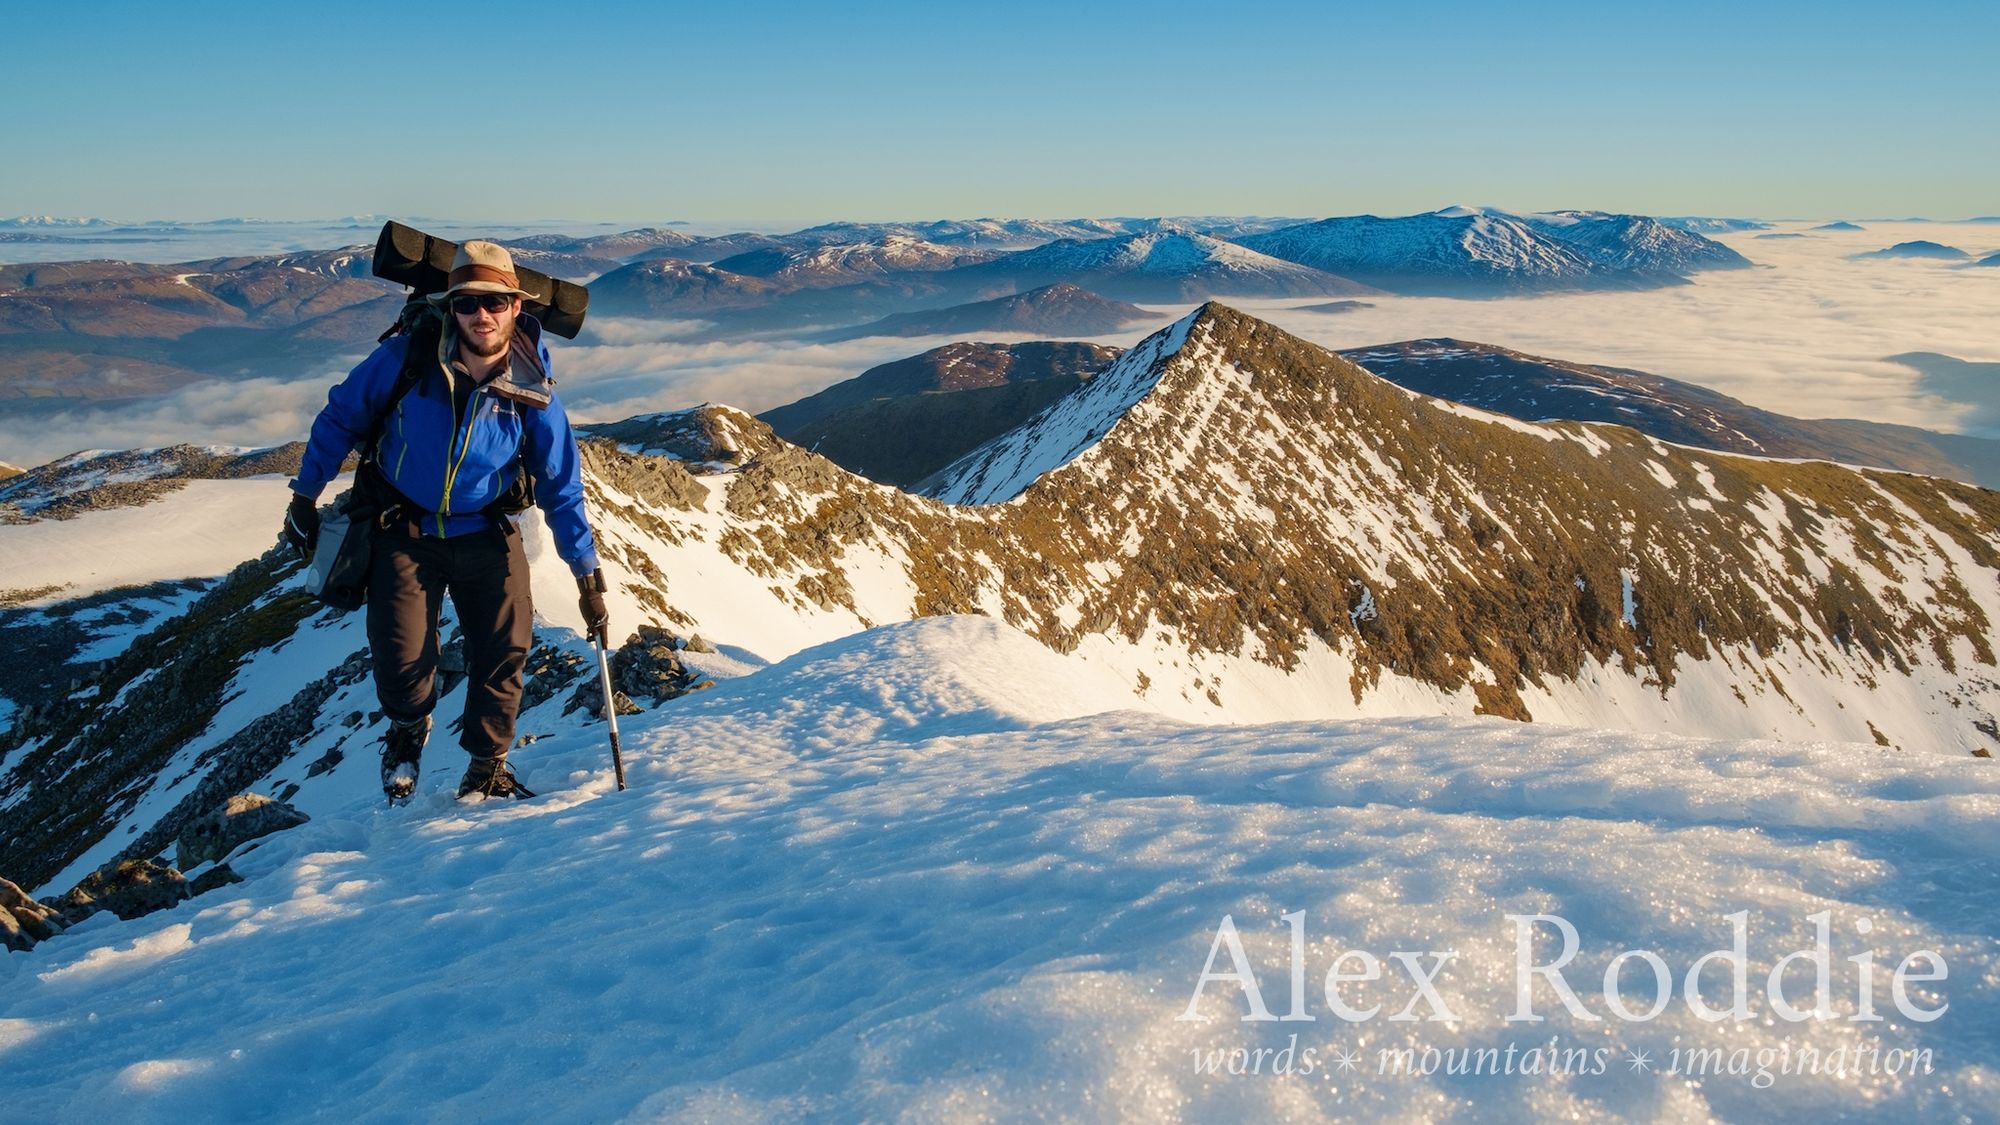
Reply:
x=610, y=705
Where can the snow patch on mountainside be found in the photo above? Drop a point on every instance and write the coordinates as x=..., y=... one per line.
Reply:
x=999, y=470
x=200, y=530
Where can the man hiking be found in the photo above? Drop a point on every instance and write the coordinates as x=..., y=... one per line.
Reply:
x=477, y=426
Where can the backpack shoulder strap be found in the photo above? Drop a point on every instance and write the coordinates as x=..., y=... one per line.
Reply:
x=421, y=324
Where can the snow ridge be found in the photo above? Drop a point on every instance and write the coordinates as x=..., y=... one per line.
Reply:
x=1004, y=467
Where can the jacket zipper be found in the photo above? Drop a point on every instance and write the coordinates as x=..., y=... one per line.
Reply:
x=465, y=446
x=402, y=435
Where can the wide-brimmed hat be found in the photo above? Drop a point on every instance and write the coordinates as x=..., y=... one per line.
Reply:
x=482, y=267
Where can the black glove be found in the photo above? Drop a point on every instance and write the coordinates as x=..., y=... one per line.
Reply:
x=590, y=599
x=302, y=525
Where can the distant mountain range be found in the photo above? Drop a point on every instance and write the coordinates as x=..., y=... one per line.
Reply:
x=101, y=331
x=1463, y=251
x=902, y=268
x=1699, y=225
x=74, y=332
x=669, y=286
x=1054, y=310
x=1164, y=265
x=842, y=263
x=619, y=247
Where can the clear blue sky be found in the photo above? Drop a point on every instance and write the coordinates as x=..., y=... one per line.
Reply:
x=491, y=110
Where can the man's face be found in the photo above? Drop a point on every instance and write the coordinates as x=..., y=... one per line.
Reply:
x=485, y=330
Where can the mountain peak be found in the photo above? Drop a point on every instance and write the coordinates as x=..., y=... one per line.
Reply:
x=1216, y=366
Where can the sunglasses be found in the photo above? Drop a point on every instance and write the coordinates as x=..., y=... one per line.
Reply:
x=466, y=304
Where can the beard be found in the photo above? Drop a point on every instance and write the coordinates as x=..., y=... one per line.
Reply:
x=489, y=349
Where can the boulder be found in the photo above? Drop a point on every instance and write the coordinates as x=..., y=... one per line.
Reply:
x=646, y=668
x=241, y=818
x=23, y=921
x=130, y=888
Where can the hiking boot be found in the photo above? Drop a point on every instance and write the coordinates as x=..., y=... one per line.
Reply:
x=402, y=748
x=490, y=777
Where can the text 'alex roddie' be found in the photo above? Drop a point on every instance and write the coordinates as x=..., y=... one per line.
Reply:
x=1356, y=982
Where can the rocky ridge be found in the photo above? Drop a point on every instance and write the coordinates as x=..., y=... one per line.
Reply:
x=1232, y=520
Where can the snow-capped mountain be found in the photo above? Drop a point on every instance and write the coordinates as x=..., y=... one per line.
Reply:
x=670, y=286
x=1057, y=310
x=1473, y=251
x=623, y=245
x=1017, y=234
x=1636, y=243
x=1238, y=442
x=1166, y=264
x=995, y=234
x=1232, y=523
x=844, y=263
x=1706, y=225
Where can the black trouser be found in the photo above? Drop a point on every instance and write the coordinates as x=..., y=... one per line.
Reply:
x=486, y=575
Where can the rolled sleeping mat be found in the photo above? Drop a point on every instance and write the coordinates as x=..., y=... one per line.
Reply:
x=408, y=256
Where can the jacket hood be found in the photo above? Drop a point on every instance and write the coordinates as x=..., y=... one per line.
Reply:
x=527, y=379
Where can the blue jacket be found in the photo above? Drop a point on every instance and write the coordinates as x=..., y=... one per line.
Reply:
x=450, y=472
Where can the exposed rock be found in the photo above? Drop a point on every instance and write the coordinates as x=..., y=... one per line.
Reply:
x=702, y=437
x=549, y=670
x=130, y=888
x=647, y=666
x=243, y=817
x=23, y=921
x=221, y=875
x=590, y=698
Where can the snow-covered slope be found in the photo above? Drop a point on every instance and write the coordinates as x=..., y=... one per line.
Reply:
x=920, y=874
x=1004, y=467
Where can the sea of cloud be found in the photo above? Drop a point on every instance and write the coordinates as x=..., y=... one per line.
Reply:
x=1809, y=332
